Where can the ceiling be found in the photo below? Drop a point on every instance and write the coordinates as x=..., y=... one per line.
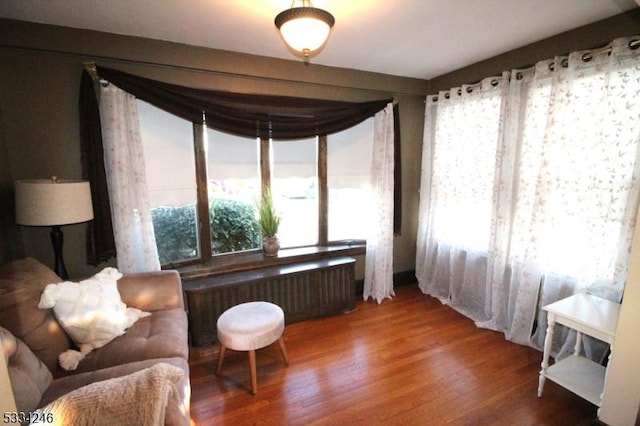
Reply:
x=411, y=38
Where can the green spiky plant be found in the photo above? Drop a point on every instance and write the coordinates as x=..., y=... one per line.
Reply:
x=269, y=220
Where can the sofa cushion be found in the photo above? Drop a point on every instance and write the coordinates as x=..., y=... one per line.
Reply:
x=90, y=311
x=21, y=284
x=29, y=377
x=163, y=334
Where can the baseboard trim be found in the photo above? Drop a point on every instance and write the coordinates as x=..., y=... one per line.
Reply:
x=400, y=279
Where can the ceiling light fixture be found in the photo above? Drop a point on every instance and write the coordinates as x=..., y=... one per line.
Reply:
x=305, y=28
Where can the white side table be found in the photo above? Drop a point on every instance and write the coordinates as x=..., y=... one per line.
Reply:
x=590, y=315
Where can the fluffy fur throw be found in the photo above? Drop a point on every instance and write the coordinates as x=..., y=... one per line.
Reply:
x=141, y=398
x=91, y=312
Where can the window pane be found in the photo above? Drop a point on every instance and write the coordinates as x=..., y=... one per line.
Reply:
x=348, y=181
x=294, y=187
x=171, y=176
x=234, y=186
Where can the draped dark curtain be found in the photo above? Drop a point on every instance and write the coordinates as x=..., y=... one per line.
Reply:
x=100, y=241
x=262, y=116
x=248, y=115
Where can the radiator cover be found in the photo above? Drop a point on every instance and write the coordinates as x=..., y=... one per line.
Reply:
x=303, y=290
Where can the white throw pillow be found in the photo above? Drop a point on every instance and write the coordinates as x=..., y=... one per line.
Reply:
x=90, y=311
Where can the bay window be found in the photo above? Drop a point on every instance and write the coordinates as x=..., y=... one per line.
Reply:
x=198, y=175
x=320, y=186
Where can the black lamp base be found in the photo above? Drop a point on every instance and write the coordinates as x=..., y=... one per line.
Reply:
x=56, y=240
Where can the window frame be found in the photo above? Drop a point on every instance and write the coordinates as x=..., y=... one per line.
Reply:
x=204, y=249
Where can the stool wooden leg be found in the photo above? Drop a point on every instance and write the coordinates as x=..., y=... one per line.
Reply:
x=283, y=350
x=252, y=372
x=220, y=359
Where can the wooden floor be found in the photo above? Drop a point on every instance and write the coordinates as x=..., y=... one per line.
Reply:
x=408, y=361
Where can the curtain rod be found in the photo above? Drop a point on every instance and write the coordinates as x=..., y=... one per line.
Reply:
x=633, y=45
x=586, y=57
x=90, y=67
x=210, y=71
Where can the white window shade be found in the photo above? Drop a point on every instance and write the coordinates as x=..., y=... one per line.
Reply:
x=169, y=157
x=349, y=156
x=295, y=159
x=231, y=157
x=294, y=185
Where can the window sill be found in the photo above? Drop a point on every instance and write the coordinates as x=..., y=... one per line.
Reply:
x=256, y=259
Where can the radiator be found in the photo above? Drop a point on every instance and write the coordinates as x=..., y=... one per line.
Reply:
x=303, y=290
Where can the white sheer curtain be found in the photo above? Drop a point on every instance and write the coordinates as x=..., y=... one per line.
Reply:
x=462, y=136
x=378, y=278
x=126, y=180
x=552, y=209
x=577, y=225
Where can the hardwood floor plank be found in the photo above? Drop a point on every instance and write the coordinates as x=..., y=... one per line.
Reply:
x=409, y=361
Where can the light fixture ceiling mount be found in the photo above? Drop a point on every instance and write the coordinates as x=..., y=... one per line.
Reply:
x=305, y=28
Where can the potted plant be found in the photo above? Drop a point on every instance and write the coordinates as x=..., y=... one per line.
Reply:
x=269, y=222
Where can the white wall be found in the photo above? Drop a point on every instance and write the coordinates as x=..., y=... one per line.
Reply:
x=622, y=389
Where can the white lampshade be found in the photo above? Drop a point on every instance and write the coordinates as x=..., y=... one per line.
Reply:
x=305, y=29
x=42, y=202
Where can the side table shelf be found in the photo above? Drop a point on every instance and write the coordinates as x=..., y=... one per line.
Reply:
x=580, y=375
x=590, y=315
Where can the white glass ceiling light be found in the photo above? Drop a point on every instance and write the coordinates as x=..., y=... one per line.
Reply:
x=305, y=28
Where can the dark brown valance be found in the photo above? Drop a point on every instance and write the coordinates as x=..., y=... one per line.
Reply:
x=249, y=115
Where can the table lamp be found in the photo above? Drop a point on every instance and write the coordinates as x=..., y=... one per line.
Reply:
x=53, y=202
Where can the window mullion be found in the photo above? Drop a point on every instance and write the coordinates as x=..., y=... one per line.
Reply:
x=265, y=164
x=204, y=224
x=323, y=192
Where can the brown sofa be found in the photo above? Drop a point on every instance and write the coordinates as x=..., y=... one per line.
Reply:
x=32, y=339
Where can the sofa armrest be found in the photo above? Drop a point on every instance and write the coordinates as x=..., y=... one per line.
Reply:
x=152, y=291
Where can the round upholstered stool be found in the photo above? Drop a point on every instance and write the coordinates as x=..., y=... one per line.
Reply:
x=247, y=327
